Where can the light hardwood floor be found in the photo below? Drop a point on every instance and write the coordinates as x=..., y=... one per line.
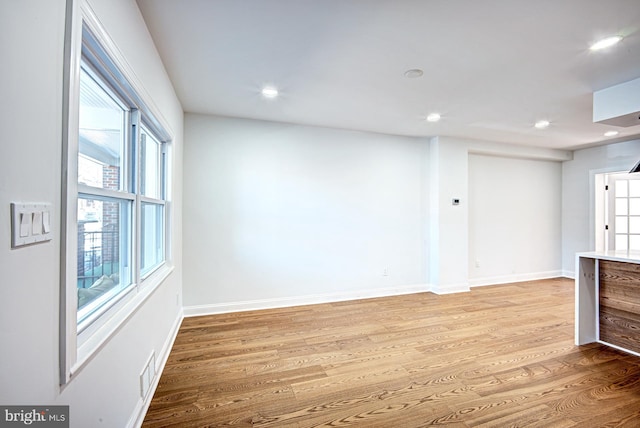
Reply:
x=497, y=356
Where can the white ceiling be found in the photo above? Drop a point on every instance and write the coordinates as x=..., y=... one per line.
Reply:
x=491, y=67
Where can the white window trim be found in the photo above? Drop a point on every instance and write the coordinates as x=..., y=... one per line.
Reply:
x=76, y=351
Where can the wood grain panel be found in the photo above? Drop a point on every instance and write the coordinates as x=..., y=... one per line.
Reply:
x=497, y=356
x=620, y=328
x=620, y=304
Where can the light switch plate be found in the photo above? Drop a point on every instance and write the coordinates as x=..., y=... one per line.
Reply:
x=30, y=223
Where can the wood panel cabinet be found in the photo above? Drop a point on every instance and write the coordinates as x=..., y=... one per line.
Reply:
x=619, y=299
x=608, y=299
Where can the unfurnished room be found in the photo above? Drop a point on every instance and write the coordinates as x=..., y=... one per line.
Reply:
x=306, y=213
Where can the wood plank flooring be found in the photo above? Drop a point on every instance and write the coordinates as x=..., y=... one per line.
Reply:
x=498, y=356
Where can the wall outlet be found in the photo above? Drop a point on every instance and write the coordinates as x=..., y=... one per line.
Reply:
x=385, y=272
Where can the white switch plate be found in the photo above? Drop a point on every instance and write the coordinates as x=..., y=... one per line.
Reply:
x=30, y=223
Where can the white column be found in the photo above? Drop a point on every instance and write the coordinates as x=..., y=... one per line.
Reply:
x=449, y=230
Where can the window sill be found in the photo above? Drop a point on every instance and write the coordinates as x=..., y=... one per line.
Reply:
x=121, y=313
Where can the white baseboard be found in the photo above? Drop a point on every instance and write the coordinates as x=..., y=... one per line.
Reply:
x=143, y=405
x=450, y=288
x=283, y=302
x=569, y=274
x=506, y=279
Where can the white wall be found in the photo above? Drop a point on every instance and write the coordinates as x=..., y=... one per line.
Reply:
x=578, y=194
x=450, y=225
x=514, y=219
x=448, y=239
x=106, y=391
x=281, y=214
x=277, y=211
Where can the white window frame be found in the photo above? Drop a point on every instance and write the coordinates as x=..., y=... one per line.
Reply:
x=610, y=215
x=79, y=345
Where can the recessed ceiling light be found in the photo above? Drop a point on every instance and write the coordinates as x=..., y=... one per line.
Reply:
x=542, y=124
x=433, y=117
x=269, y=92
x=605, y=43
x=413, y=73
x=611, y=133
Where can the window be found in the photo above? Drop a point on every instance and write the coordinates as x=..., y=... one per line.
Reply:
x=120, y=179
x=116, y=203
x=105, y=206
x=152, y=189
x=624, y=216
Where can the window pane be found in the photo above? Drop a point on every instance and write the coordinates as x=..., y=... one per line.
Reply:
x=634, y=206
x=101, y=136
x=151, y=173
x=621, y=188
x=621, y=242
x=152, y=236
x=103, y=257
x=634, y=225
x=622, y=207
x=634, y=242
x=621, y=224
x=634, y=188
